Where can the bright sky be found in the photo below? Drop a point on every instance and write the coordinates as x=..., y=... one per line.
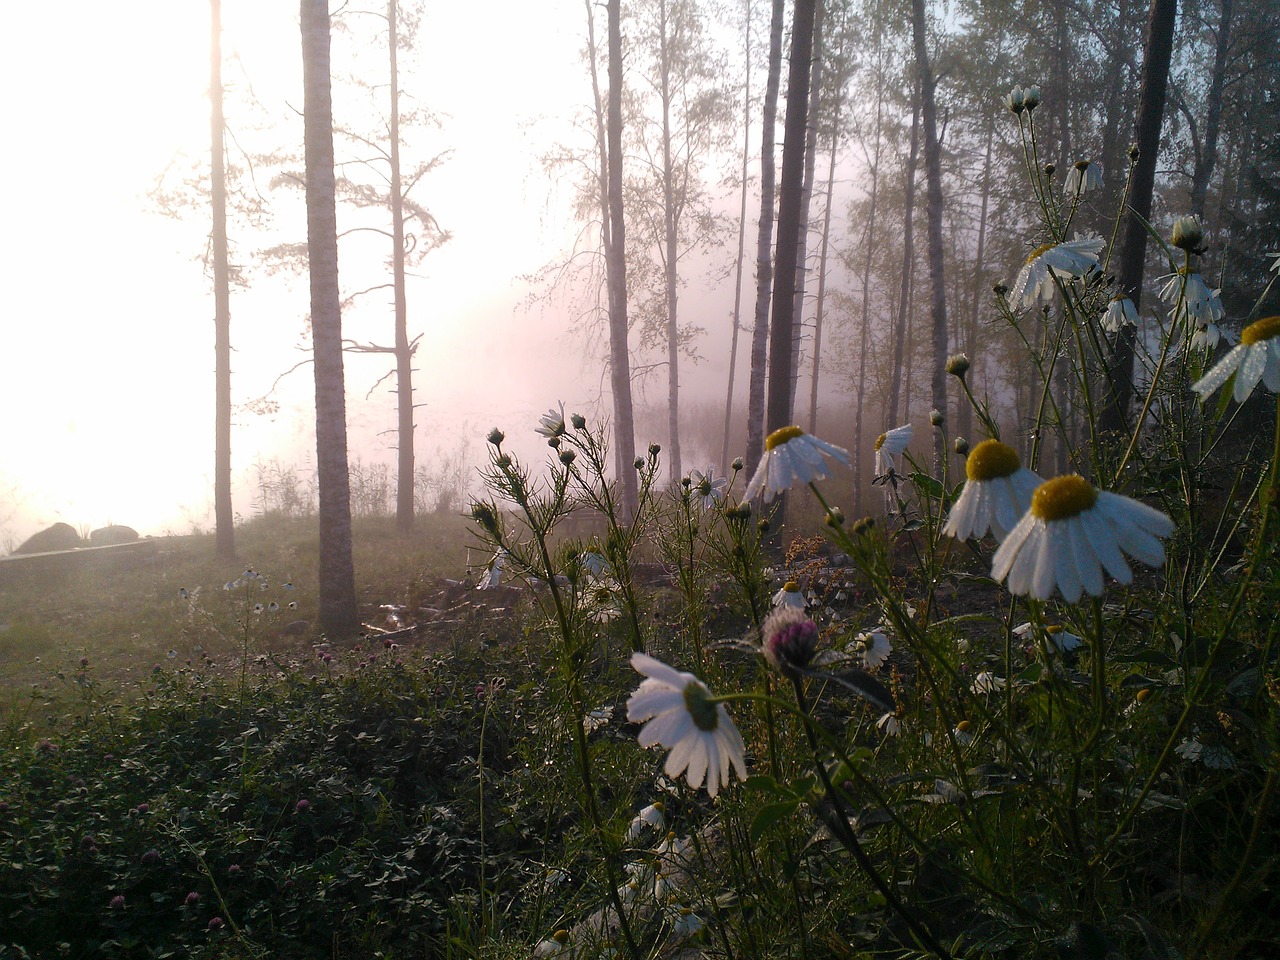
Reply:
x=106, y=368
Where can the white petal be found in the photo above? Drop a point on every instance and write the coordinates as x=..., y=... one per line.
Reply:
x=1047, y=560
x=1250, y=372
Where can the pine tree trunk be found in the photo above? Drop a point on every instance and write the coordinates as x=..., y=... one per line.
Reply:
x=933, y=182
x=616, y=272
x=742, y=242
x=1213, y=120
x=764, y=262
x=223, y=511
x=908, y=265
x=806, y=201
x=670, y=264
x=964, y=419
x=819, y=306
x=339, y=617
x=1155, y=81
x=403, y=349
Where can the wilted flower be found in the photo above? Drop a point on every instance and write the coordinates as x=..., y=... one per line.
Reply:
x=496, y=437
x=1031, y=96
x=1081, y=178
x=551, y=423
x=889, y=725
x=1188, y=234
x=936, y=417
x=958, y=364
x=996, y=494
x=1071, y=533
x=1206, y=337
x=875, y=649
x=791, y=456
x=1199, y=304
x=1256, y=357
x=788, y=638
x=789, y=596
x=491, y=576
x=1071, y=258
x=987, y=682
x=890, y=444
x=1062, y=639
x=1121, y=313
x=682, y=716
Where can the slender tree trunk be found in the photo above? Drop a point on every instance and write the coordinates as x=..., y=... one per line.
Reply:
x=1155, y=81
x=764, y=263
x=670, y=263
x=223, y=512
x=1213, y=119
x=616, y=272
x=790, y=196
x=908, y=266
x=819, y=306
x=964, y=420
x=806, y=198
x=404, y=351
x=339, y=617
x=933, y=182
x=742, y=240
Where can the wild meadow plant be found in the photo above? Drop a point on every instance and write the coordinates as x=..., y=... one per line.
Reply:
x=1049, y=728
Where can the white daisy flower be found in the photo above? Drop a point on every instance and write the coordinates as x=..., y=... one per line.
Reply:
x=682, y=716
x=889, y=725
x=987, y=682
x=553, y=945
x=1206, y=337
x=650, y=816
x=1071, y=258
x=1065, y=641
x=1071, y=533
x=551, y=423
x=1256, y=357
x=709, y=488
x=1188, y=234
x=1199, y=303
x=996, y=494
x=684, y=923
x=1121, y=313
x=791, y=456
x=875, y=649
x=789, y=596
x=889, y=445
x=1081, y=178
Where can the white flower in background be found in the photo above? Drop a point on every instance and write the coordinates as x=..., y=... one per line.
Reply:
x=997, y=492
x=1206, y=337
x=789, y=596
x=1199, y=304
x=684, y=923
x=791, y=456
x=596, y=719
x=1121, y=313
x=553, y=945
x=551, y=423
x=1071, y=258
x=709, y=488
x=650, y=816
x=875, y=649
x=960, y=732
x=1056, y=634
x=1256, y=357
x=889, y=725
x=594, y=564
x=679, y=713
x=987, y=682
x=889, y=445
x=492, y=574
x=1072, y=533
x=1081, y=178
x=1188, y=234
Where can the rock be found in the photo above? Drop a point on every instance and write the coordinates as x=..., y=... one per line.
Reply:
x=61, y=536
x=111, y=535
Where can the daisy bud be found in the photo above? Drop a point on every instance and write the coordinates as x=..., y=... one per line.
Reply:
x=685, y=482
x=655, y=449
x=865, y=525
x=762, y=525
x=789, y=638
x=496, y=437
x=483, y=514
x=638, y=463
x=1031, y=97
x=835, y=518
x=579, y=421
x=737, y=463
x=1134, y=152
x=553, y=443
x=1188, y=234
x=958, y=365
x=1000, y=289
x=961, y=446
x=567, y=457
x=743, y=510
x=1050, y=169
x=1016, y=100
x=503, y=462
x=937, y=418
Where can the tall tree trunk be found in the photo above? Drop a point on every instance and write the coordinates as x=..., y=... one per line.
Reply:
x=1208, y=157
x=933, y=181
x=339, y=617
x=1155, y=82
x=764, y=243
x=822, y=271
x=790, y=198
x=616, y=274
x=742, y=239
x=670, y=263
x=223, y=512
x=964, y=420
x=403, y=349
x=806, y=199
x=908, y=265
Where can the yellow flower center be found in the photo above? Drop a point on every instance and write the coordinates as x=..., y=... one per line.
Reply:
x=1265, y=329
x=1063, y=497
x=1055, y=628
x=790, y=587
x=779, y=437
x=698, y=702
x=963, y=726
x=880, y=440
x=991, y=459
x=1043, y=248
